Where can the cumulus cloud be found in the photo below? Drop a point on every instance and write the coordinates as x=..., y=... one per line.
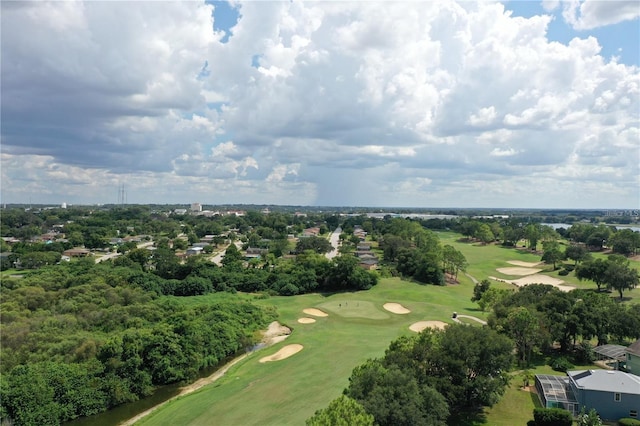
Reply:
x=363, y=103
x=589, y=14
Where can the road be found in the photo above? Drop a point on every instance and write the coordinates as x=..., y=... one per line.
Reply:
x=116, y=254
x=334, y=239
x=217, y=259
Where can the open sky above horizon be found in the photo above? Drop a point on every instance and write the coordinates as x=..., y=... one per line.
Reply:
x=414, y=104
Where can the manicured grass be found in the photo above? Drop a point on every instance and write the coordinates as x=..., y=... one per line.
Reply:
x=485, y=259
x=357, y=328
x=291, y=390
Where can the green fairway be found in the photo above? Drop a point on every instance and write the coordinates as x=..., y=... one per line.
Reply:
x=357, y=327
x=291, y=390
x=485, y=259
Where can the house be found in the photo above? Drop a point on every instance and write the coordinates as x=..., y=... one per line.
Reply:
x=77, y=252
x=613, y=394
x=255, y=253
x=633, y=358
x=194, y=250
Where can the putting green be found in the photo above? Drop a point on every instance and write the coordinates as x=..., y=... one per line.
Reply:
x=354, y=309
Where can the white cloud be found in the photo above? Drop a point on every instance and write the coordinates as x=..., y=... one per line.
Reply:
x=425, y=103
x=589, y=14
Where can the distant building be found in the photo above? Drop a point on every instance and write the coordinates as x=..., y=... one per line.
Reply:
x=191, y=251
x=196, y=207
x=77, y=252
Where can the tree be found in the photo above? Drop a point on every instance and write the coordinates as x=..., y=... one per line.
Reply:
x=577, y=253
x=342, y=411
x=345, y=273
x=593, y=271
x=232, y=257
x=317, y=244
x=625, y=242
x=479, y=288
x=532, y=234
x=552, y=253
x=491, y=297
x=470, y=366
x=484, y=234
x=522, y=327
x=620, y=277
x=453, y=260
x=393, y=396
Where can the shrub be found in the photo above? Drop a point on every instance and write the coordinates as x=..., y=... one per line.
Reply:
x=628, y=422
x=584, y=353
x=569, y=267
x=552, y=417
x=561, y=364
x=563, y=272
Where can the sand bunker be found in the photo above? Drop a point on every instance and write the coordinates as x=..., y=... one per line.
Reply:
x=421, y=325
x=518, y=271
x=276, y=333
x=396, y=308
x=283, y=353
x=315, y=312
x=537, y=279
x=305, y=320
x=525, y=264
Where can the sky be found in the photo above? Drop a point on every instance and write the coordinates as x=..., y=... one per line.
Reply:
x=436, y=104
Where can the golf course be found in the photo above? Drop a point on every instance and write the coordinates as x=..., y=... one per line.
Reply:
x=285, y=383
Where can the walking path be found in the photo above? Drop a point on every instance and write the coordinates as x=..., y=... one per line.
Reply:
x=483, y=322
x=334, y=239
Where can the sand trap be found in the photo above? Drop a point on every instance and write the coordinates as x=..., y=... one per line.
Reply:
x=315, y=312
x=537, y=279
x=306, y=320
x=396, y=308
x=518, y=271
x=525, y=264
x=421, y=325
x=276, y=333
x=283, y=353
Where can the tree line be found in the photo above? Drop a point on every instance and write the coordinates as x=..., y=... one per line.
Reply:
x=78, y=339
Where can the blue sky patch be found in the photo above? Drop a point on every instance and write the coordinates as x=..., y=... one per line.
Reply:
x=225, y=17
x=621, y=40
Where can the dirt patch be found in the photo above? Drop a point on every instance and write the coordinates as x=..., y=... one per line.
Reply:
x=315, y=312
x=396, y=308
x=421, y=325
x=518, y=271
x=283, y=353
x=306, y=320
x=525, y=264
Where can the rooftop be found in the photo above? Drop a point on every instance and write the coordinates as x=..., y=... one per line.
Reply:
x=555, y=388
x=606, y=381
x=611, y=351
x=634, y=348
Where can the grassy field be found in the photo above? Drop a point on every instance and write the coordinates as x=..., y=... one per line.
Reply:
x=289, y=391
x=483, y=261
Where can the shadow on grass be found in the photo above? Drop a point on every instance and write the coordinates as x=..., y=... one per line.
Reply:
x=535, y=400
x=467, y=418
